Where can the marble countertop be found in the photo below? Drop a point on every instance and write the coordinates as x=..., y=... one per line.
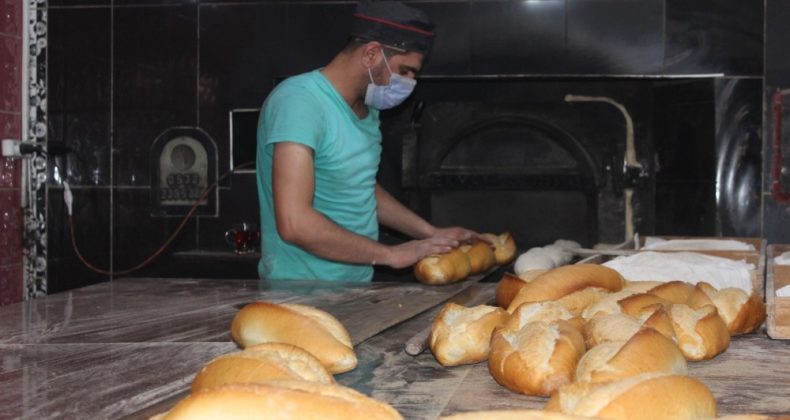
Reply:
x=130, y=347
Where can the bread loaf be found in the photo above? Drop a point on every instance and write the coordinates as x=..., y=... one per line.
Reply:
x=701, y=333
x=647, y=396
x=537, y=358
x=742, y=313
x=444, y=268
x=640, y=303
x=280, y=400
x=481, y=256
x=312, y=329
x=259, y=363
x=461, y=335
x=563, y=281
x=673, y=291
x=504, y=247
x=646, y=351
x=511, y=415
x=607, y=305
x=510, y=284
x=621, y=327
x=579, y=300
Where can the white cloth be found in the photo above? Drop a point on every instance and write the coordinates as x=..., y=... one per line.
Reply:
x=690, y=267
x=783, y=259
x=654, y=243
x=783, y=292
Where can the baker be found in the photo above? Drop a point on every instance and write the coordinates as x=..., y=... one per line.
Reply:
x=319, y=147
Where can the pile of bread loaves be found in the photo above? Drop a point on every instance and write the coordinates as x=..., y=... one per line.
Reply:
x=284, y=371
x=598, y=345
x=466, y=260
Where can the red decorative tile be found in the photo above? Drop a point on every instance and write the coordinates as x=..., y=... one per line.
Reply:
x=10, y=283
x=11, y=17
x=10, y=73
x=10, y=125
x=10, y=227
x=10, y=173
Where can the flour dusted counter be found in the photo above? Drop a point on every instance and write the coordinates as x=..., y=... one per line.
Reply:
x=131, y=347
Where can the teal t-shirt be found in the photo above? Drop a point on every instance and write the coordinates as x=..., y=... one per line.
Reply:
x=308, y=110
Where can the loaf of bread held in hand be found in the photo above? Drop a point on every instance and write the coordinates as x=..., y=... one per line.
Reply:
x=742, y=313
x=648, y=396
x=444, y=268
x=701, y=333
x=260, y=363
x=314, y=330
x=461, y=335
x=504, y=247
x=481, y=256
x=562, y=281
x=280, y=400
x=510, y=284
x=537, y=358
x=646, y=351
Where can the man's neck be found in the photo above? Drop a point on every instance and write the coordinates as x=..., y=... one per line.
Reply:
x=342, y=76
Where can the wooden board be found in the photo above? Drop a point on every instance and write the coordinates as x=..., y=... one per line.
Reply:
x=778, y=321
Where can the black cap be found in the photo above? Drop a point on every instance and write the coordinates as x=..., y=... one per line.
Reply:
x=395, y=24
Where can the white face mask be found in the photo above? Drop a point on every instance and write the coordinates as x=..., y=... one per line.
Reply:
x=391, y=95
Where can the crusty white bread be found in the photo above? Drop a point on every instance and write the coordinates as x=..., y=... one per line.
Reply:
x=511, y=415
x=504, y=247
x=562, y=281
x=577, y=301
x=673, y=291
x=640, y=303
x=444, y=268
x=259, y=363
x=510, y=284
x=646, y=351
x=607, y=305
x=537, y=358
x=742, y=313
x=647, y=396
x=701, y=333
x=621, y=327
x=640, y=286
x=280, y=400
x=481, y=256
x=546, y=311
x=312, y=329
x=461, y=335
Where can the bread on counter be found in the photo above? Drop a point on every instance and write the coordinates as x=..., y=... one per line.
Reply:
x=259, y=363
x=621, y=327
x=314, y=330
x=512, y=415
x=280, y=400
x=646, y=351
x=647, y=396
x=565, y=280
x=510, y=284
x=444, y=268
x=701, y=333
x=537, y=358
x=461, y=335
x=741, y=312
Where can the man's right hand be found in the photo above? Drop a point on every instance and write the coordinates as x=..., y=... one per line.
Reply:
x=408, y=253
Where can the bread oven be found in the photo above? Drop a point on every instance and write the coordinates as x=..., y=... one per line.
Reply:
x=513, y=155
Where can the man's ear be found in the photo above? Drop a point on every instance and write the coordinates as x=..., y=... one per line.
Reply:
x=371, y=54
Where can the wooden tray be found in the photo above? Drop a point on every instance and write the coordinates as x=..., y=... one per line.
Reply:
x=778, y=308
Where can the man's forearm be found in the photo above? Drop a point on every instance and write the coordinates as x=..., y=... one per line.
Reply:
x=393, y=214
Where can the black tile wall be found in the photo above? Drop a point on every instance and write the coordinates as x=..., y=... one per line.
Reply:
x=92, y=234
x=615, y=36
x=452, y=51
x=239, y=204
x=137, y=235
x=154, y=82
x=316, y=32
x=714, y=36
x=79, y=93
x=777, y=36
x=518, y=37
x=241, y=54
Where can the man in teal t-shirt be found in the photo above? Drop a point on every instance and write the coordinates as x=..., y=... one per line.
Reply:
x=319, y=148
